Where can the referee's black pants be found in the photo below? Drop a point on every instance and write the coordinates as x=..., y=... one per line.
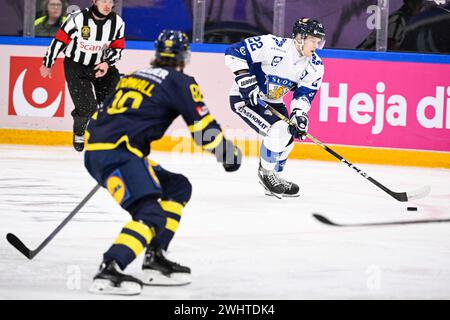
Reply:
x=87, y=91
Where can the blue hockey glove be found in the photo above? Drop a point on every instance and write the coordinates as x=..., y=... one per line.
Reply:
x=248, y=88
x=300, y=120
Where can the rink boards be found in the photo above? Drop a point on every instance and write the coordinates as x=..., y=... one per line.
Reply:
x=386, y=108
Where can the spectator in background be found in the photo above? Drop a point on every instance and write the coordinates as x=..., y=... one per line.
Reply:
x=429, y=31
x=396, y=26
x=48, y=25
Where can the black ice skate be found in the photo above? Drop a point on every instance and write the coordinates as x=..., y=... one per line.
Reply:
x=290, y=189
x=271, y=182
x=158, y=271
x=109, y=280
x=78, y=142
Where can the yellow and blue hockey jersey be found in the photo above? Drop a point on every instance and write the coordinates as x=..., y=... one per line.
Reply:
x=144, y=105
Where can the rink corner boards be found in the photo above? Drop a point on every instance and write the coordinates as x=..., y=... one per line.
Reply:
x=309, y=151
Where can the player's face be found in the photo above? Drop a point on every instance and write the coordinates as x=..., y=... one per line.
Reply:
x=104, y=6
x=308, y=46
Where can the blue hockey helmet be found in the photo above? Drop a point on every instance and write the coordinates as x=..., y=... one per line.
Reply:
x=308, y=27
x=172, y=44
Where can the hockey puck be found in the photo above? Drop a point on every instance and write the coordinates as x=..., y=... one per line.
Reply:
x=412, y=208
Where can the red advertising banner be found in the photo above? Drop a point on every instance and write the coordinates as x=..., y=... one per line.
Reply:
x=30, y=95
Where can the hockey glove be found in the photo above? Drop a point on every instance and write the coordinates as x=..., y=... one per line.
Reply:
x=300, y=120
x=248, y=88
x=232, y=157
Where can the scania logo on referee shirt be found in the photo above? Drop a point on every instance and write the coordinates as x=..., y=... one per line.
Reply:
x=30, y=95
x=92, y=47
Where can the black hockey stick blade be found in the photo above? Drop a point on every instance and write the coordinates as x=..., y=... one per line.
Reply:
x=325, y=220
x=19, y=245
x=374, y=224
x=404, y=196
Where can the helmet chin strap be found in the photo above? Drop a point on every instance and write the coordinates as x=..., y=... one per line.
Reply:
x=300, y=44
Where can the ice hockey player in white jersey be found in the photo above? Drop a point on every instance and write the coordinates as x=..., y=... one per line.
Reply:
x=267, y=68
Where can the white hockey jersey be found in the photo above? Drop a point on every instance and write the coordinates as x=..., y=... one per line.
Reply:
x=278, y=68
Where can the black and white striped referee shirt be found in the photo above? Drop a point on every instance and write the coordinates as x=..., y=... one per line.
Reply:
x=88, y=41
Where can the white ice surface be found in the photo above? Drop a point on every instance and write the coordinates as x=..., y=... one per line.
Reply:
x=239, y=243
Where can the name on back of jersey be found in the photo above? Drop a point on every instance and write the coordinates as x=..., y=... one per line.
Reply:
x=141, y=85
x=157, y=74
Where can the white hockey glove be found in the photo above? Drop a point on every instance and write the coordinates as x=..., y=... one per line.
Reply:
x=300, y=120
x=248, y=88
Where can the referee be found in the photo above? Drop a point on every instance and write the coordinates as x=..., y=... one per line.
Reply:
x=93, y=40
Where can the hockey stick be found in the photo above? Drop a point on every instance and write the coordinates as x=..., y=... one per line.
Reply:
x=400, y=196
x=30, y=254
x=327, y=221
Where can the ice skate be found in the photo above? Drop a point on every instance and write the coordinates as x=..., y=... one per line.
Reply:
x=109, y=280
x=78, y=142
x=271, y=182
x=291, y=189
x=159, y=271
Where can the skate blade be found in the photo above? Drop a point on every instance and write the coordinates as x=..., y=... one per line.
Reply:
x=156, y=278
x=270, y=193
x=126, y=288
